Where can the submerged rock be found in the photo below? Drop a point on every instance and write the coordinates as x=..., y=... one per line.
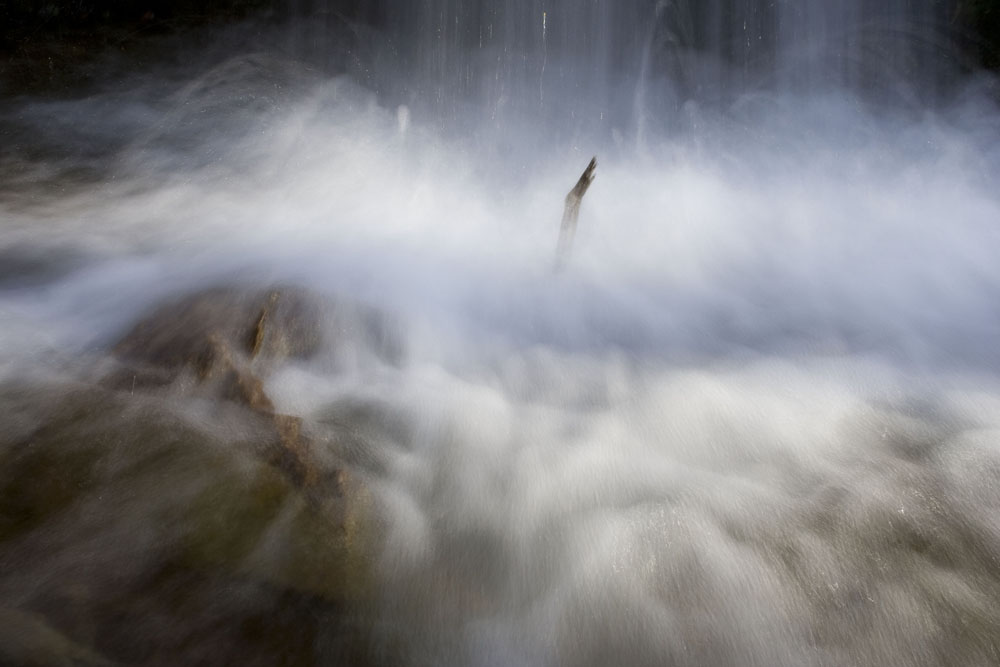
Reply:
x=169, y=514
x=142, y=531
x=216, y=336
x=223, y=338
x=222, y=343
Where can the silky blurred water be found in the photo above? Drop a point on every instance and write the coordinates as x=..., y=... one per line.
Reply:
x=755, y=419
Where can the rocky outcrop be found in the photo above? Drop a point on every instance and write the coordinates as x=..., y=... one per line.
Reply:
x=220, y=342
x=170, y=515
x=223, y=343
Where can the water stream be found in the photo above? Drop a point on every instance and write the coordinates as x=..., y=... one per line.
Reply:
x=756, y=420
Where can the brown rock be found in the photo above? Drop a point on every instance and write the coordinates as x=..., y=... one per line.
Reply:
x=220, y=330
x=132, y=530
x=216, y=343
x=27, y=639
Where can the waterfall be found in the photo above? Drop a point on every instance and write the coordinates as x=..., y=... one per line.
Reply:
x=599, y=58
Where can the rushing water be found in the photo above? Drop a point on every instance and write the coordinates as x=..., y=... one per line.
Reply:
x=755, y=421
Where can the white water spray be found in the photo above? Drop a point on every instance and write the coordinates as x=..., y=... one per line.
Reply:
x=753, y=422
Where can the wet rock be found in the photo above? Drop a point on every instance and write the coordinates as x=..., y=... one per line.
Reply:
x=159, y=514
x=157, y=536
x=222, y=343
x=207, y=336
x=218, y=343
x=28, y=640
x=99, y=460
x=222, y=335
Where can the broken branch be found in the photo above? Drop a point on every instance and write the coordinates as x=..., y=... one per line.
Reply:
x=571, y=214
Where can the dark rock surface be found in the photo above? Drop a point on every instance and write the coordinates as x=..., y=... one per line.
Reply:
x=177, y=518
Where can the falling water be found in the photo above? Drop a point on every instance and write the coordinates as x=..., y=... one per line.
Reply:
x=754, y=421
x=605, y=64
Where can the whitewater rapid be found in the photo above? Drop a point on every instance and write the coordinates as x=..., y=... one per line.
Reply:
x=754, y=422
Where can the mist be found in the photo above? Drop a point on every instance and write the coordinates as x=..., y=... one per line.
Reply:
x=752, y=421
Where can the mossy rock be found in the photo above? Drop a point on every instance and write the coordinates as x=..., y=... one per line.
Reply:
x=129, y=477
x=260, y=526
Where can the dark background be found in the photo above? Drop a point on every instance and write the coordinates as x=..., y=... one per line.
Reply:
x=48, y=45
x=54, y=46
